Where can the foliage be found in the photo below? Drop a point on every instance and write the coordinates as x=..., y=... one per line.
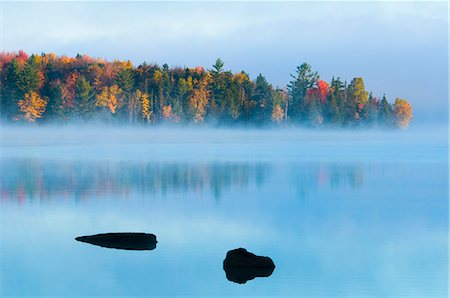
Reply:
x=60, y=88
x=31, y=107
x=403, y=112
x=277, y=114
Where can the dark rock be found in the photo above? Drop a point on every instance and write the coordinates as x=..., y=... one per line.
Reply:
x=129, y=241
x=241, y=266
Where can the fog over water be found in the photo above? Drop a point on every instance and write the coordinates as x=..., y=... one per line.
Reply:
x=342, y=213
x=193, y=144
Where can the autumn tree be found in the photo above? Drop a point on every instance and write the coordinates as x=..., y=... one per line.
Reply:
x=110, y=98
x=146, y=110
x=277, y=114
x=68, y=91
x=199, y=99
x=31, y=107
x=93, y=88
x=359, y=97
x=403, y=112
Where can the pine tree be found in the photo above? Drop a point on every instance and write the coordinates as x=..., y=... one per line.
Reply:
x=262, y=96
x=84, y=97
x=385, y=113
x=304, y=79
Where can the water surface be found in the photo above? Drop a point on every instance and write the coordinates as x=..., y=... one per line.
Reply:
x=349, y=214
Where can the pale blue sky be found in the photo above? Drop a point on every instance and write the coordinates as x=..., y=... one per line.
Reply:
x=399, y=48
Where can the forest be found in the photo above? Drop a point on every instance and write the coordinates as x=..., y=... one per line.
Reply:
x=47, y=88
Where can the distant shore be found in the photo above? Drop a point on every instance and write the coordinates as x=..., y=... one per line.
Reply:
x=58, y=89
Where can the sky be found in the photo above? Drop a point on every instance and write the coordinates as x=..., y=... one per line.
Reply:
x=399, y=48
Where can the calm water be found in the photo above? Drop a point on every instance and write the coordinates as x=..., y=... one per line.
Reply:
x=348, y=214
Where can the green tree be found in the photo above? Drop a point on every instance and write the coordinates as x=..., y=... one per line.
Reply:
x=262, y=96
x=10, y=91
x=332, y=113
x=218, y=90
x=84, y=97
x=304, y=79
x=386, y=114
x=125, y=80
x=370, y=111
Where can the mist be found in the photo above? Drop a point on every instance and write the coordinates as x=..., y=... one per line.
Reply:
x=224, y=144
x=344, y=189
x=323, y=204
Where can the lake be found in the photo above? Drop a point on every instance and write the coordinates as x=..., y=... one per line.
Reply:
x=340, y=213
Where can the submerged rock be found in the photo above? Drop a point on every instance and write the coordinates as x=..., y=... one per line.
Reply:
x=241, y=266
x=129, y=241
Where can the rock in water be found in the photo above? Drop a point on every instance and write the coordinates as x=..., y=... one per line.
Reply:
x=241, y=266
x=129, y=241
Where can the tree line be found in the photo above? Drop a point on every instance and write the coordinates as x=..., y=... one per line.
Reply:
x=50, y=88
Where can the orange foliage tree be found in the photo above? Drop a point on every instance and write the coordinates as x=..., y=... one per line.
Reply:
x=277, y=114
x=199, y=99
x=111, y=98
x=31, y=107
x=403, y=112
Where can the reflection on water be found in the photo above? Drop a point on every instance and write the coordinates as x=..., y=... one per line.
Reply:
x=43, y=180
x=311, y=177
x=358, y=216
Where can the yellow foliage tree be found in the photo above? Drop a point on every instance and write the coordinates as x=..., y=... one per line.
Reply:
x=32, y=106
x=145, y=108
x=102, y=98
x=277, y=114
x=403, y=112
x=111, y=98
x=157, y=76
x=199, y=99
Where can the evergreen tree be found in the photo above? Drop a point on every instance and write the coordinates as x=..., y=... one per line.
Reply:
x=10, y=91
x=262, y=96
x=125, y=80
x=84, y=97
x=386, y=114
x=47, y=87
x=304, y=79
x=217, y=89
x=370, y=111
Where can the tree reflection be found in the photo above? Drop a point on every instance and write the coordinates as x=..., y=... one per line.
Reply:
x=311, y=177
x=39, y=180
x=33, y=179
